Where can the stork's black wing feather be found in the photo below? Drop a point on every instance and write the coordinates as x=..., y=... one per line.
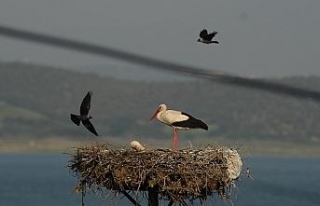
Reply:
x=191, y=122
x=89, y=126
x=85, y=105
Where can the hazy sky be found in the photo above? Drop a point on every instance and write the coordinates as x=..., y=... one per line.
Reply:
x=258, y=38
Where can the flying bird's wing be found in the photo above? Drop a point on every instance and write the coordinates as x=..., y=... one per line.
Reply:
x=211, y=35
x=85, y=105
x=203, y=34
x=89, y=126
x=75, y=119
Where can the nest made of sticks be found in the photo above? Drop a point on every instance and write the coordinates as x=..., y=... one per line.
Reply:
x=174, y=175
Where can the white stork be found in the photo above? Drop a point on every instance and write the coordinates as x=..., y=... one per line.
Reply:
x=178, y=121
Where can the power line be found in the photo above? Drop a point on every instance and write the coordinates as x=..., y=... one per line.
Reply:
x=158, y=64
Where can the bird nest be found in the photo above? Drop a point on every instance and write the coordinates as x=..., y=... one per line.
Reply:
x=174, y=175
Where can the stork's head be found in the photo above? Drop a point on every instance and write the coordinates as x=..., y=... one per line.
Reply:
x=161, y=108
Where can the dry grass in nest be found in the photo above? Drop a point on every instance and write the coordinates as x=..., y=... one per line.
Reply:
x=175, y=175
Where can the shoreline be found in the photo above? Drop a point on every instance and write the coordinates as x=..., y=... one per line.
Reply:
x=245, y=148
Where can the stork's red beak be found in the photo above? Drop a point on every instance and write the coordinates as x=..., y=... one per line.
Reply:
x=154, y=115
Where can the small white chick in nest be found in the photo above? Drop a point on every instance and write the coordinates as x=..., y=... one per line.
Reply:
x=137, y=146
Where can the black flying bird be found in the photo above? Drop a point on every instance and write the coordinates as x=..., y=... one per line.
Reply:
x=207, y=38
x=84, y=117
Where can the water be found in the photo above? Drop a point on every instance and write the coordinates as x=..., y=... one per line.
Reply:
x=281, y=181
x=44, y=180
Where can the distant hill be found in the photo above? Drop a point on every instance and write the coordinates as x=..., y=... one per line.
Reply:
x=37, y=100
x=131, y=72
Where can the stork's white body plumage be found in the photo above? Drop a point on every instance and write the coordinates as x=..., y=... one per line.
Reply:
x=177, y=120
x=169, y=117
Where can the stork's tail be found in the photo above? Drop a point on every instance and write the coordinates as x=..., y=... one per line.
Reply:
x=75, y=119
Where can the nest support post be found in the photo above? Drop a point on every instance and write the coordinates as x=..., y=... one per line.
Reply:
x=153, y=198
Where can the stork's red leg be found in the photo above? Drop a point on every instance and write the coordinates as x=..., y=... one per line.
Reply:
x=175, y=140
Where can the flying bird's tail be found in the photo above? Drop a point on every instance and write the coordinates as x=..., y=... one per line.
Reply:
x=215, y=42
x=75, y=119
